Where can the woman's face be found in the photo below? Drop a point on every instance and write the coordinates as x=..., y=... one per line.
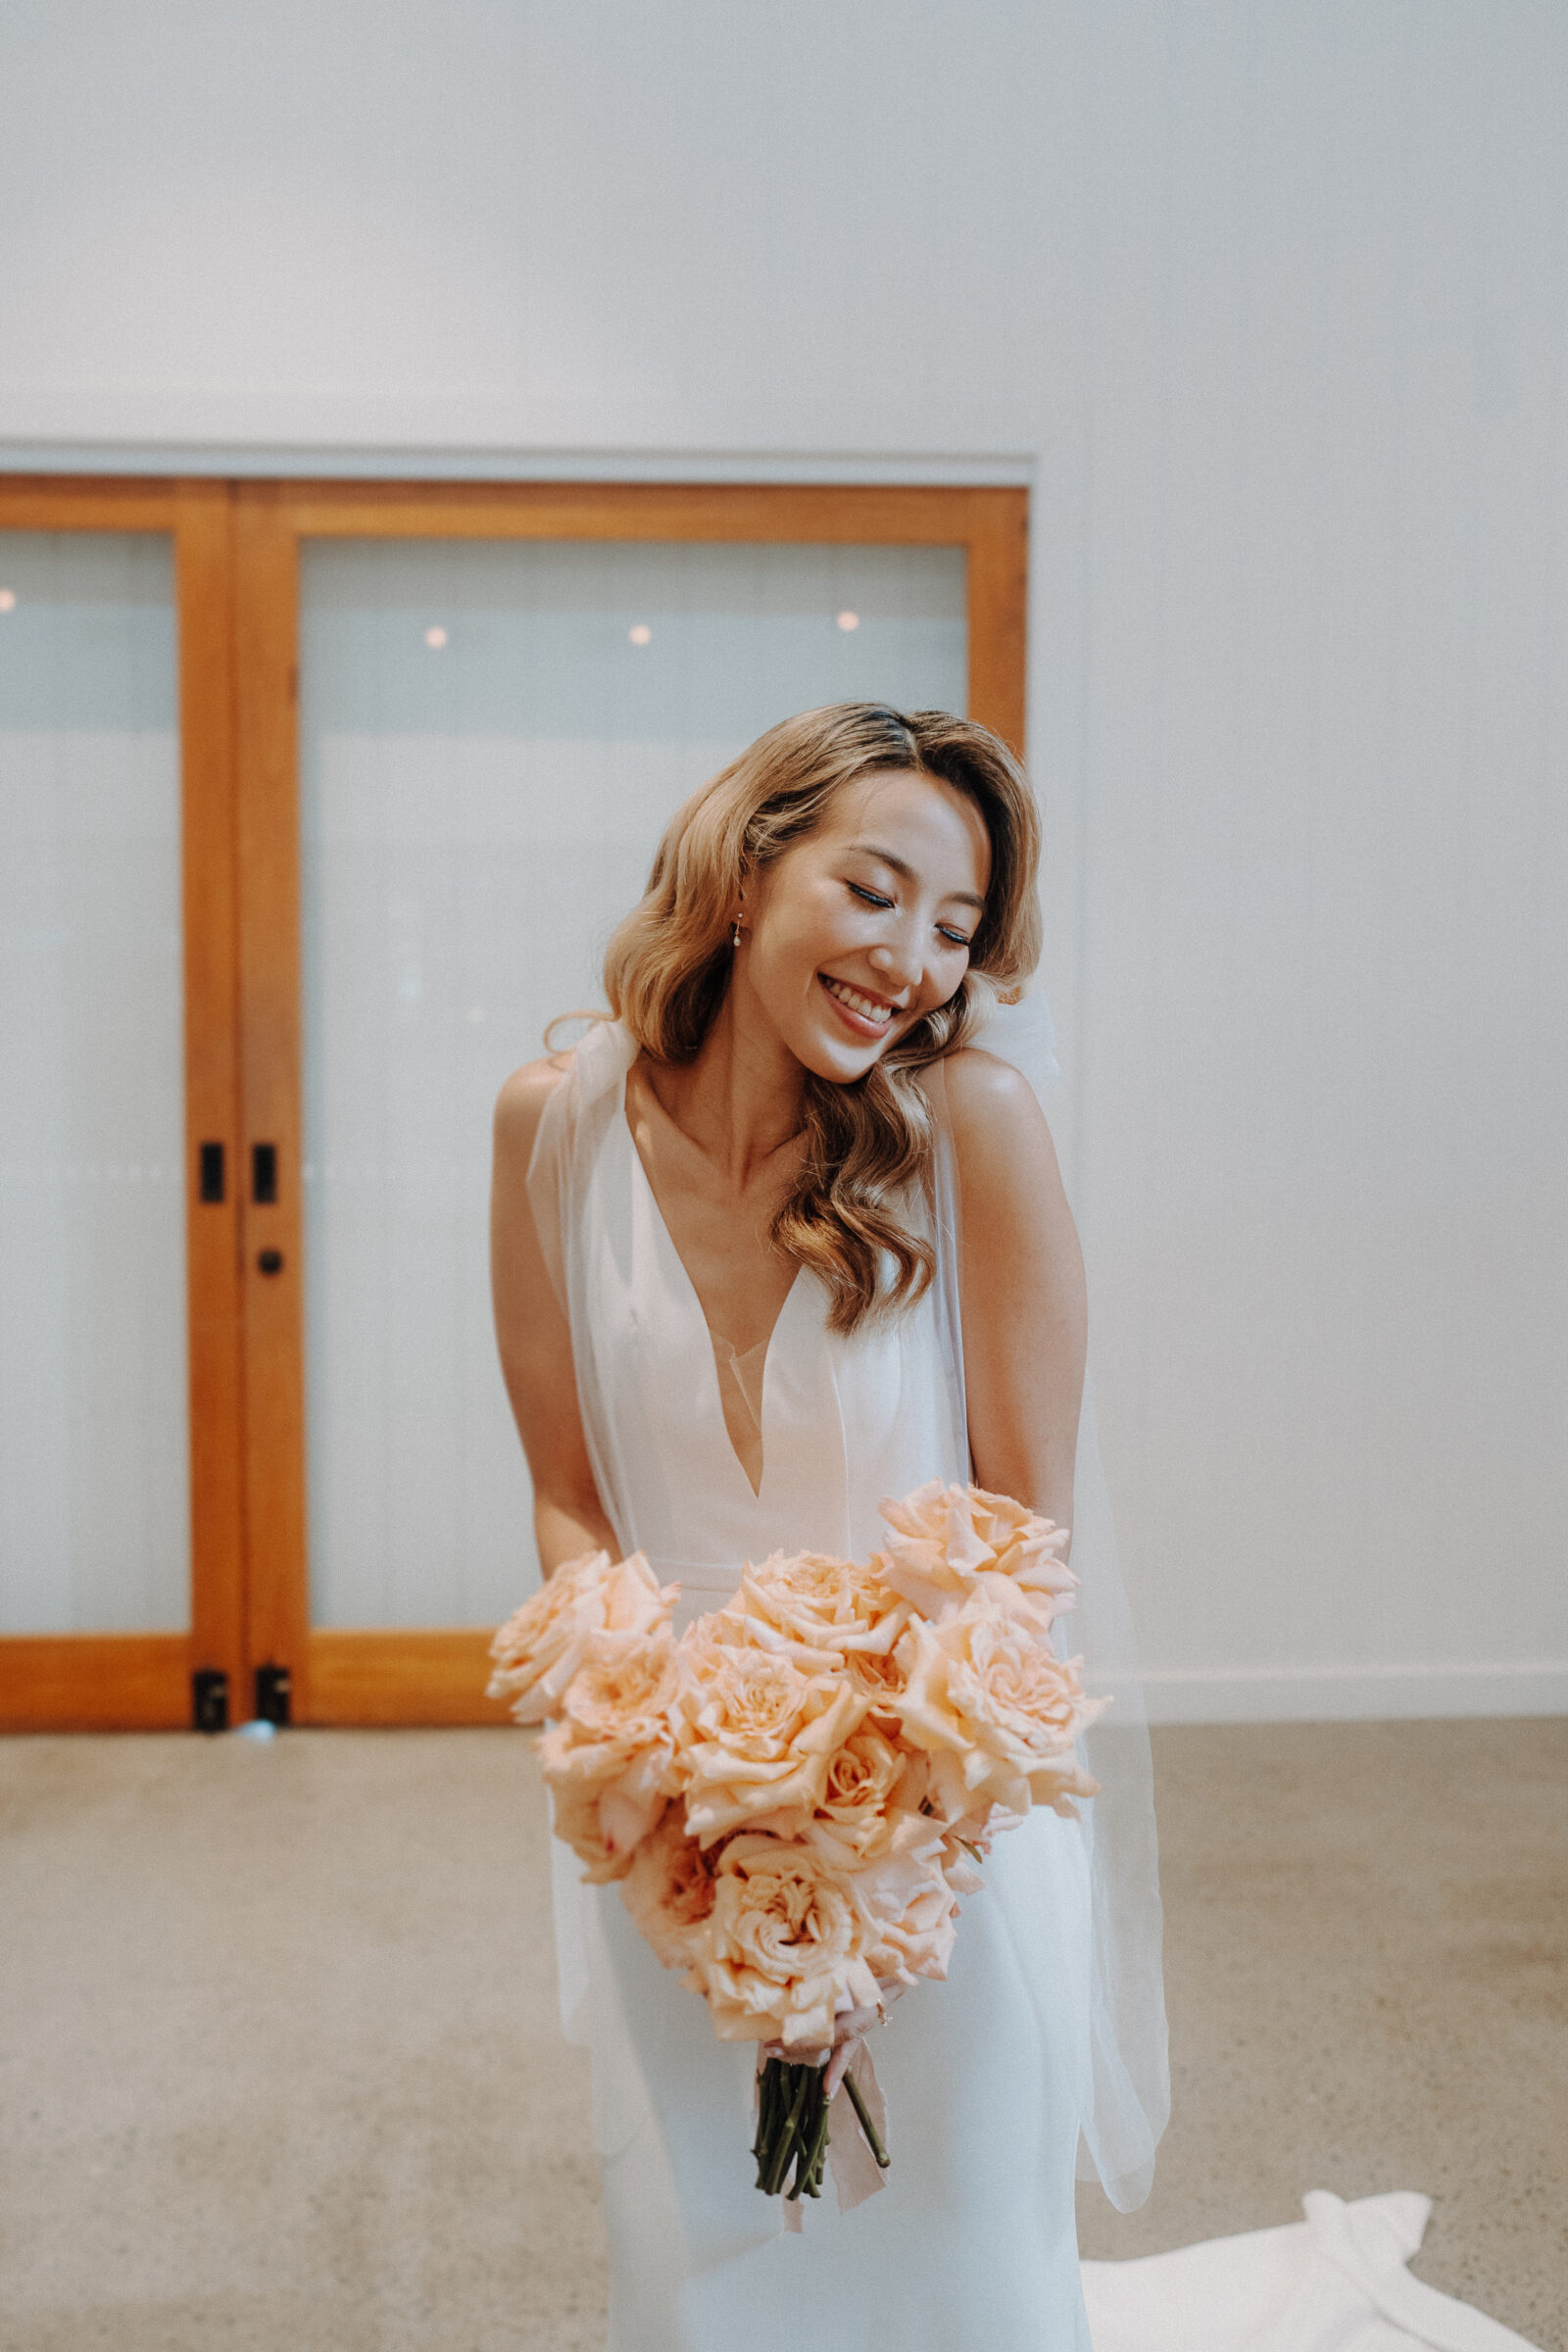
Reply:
x=859, y=930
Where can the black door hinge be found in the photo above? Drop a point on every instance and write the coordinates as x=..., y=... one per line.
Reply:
x=271, y=1695
x=209, y=1700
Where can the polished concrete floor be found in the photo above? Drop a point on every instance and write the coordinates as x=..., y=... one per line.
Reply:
x=279, y=2063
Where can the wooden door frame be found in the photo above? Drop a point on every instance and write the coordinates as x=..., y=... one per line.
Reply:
x=236, y=552
x=143, y=1680
x=437, y=1674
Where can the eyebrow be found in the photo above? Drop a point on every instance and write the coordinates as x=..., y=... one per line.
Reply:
x=900, y=865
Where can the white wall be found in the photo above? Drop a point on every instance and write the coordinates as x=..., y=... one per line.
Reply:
x=1268, y=301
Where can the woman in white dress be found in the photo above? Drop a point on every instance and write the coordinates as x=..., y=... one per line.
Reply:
x=773, y=1243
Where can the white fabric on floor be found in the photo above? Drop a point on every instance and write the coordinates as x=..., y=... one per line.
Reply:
x=1335, y=2282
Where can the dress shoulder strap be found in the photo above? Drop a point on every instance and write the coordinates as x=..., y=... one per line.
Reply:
x=571, y=1129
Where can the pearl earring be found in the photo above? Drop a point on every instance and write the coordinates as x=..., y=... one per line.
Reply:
x=735, y=935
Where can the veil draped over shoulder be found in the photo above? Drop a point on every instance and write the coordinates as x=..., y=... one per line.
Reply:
x=1129, y=2095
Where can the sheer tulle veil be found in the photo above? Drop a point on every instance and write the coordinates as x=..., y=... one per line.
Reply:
x=1128, y=2097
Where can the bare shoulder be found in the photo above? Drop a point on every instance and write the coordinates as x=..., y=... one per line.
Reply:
x=520, y=1103
x=996, y=1122
x=1020, y=1244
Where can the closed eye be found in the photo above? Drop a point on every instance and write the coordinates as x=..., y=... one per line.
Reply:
x=873, y=898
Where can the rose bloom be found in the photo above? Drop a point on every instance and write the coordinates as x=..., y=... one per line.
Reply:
x=604, y=1821
x=910, y=1912
x=622, y=1692
x=575, y=1818
x=858, y=1793
x=960, y=1867
x=879, y=1678
x=997, y=1711
x=541, y=1645
x=826, y=1603
x=782, y=1949
x=670, y=1890
x=753, y=1731
x=607, y=1760
x=944, y=1540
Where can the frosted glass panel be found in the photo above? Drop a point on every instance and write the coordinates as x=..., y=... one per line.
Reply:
x=493, y=737
x=94, y=1505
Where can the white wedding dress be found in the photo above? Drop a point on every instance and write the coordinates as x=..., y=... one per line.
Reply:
x=989, y=2075
x=1046, y=2041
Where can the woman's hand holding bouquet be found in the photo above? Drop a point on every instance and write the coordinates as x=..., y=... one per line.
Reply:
x=794, y=1794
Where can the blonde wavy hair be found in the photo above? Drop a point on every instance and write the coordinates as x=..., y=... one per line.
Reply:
x=668, y=965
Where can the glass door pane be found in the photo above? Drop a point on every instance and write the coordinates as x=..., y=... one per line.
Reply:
x=492, y=737
x=94, y=1492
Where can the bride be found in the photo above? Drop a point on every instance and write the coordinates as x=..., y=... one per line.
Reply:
x=780, y=1240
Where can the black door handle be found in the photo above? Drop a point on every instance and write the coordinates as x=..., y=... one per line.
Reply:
x=264, y=1175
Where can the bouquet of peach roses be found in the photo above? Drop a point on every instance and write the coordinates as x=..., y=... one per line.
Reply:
x=793, y=1795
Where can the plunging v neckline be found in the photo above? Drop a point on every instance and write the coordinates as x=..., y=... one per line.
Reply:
x=668, y=1240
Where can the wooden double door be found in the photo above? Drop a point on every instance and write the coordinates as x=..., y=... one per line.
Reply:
x=317, y=801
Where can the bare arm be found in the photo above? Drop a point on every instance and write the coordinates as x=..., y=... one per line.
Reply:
x=1021, y=1279
x=534, y=1337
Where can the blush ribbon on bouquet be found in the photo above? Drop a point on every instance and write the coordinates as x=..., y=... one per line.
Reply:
x=794, y=1794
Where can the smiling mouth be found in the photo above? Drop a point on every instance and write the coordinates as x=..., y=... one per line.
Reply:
x=871, y=1016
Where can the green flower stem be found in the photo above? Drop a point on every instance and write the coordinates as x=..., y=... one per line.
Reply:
x=867, y=2125
x=800, y=2085
x=809, y=2172
x=804, y=2132
x=793, y=2129
x=773, y=2107
x=766, y=2102
x=764, y=2119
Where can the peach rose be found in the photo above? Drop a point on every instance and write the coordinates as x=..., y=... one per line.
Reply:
x=753, y=1731
x=996, y=1710
x=575, y=1818
x=878, y=1676
x=859, y=1793
x=669, y=1891
x=909, y=1912
x=607, y=1760
x=961, y=1864
x=604, y=1821
x=782, y=1949
x=622, y=1691
x=825, y=1604
x=944, y=1540
x=541, y=1645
